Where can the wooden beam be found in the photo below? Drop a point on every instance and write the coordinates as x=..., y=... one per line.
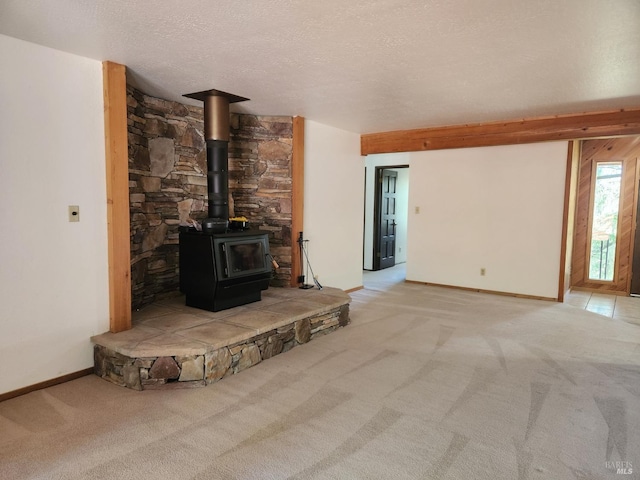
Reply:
x=117, y=162
x=297, y=196
x=531, y=130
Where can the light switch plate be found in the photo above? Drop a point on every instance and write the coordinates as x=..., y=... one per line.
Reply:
x=74, y=213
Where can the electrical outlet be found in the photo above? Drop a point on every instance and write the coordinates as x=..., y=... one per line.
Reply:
x=483, y=272
x=74, y=213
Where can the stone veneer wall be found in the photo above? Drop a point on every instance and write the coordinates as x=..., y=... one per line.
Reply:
x=168, y=185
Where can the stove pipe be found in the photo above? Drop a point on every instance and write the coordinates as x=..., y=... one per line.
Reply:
x=216, y=135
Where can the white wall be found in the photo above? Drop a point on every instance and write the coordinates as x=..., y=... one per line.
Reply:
x=402, y=214
x=53, y=274
x=498, y=208
x=333, y=204
x=382, y=160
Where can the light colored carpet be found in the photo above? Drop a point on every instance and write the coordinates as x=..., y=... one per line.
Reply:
x=425, y=383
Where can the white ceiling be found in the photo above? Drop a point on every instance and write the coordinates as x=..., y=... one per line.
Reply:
x=364, y=66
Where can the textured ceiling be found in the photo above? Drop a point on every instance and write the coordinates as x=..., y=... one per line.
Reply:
x=364, y=66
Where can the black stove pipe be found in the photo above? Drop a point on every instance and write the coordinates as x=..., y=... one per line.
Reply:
x=218, y=178
x=216, y=135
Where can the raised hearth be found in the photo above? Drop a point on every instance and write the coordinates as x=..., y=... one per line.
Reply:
x=173, y=346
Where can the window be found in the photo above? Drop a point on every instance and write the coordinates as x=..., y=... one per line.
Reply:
x=604, y=220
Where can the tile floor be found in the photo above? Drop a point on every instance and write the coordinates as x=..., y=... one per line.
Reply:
x=613, y=306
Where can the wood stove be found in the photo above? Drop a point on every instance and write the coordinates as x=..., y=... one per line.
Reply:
x=220, y=271
x=219, y=268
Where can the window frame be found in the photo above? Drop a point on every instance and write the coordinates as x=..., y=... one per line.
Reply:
x=592, y=200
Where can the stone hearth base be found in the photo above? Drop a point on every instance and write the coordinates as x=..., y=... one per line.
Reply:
x=174, y=346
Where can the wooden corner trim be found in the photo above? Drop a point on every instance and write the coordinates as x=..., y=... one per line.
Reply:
x=117, y=177
x=565, y=222
x=297, y=195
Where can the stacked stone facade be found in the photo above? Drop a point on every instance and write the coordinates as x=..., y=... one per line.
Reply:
x=180, y=371
x=168, y=186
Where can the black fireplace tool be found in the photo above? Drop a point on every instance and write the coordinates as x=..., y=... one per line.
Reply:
x=304, y=256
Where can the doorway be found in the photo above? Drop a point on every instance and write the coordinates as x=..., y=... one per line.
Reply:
x=399, y=163
x=393, y=249
x=384, y=231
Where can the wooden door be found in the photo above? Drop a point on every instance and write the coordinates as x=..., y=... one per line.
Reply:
x=385, y=232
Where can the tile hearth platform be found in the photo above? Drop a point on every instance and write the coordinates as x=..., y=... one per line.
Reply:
x=175, y=346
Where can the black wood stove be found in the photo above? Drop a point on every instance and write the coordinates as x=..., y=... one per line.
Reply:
x=220, y=271
x=221, y=268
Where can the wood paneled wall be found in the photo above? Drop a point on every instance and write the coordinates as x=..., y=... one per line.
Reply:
x=625, y=149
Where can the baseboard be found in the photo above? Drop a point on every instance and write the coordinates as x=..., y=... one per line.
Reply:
x=47, y=383
x=480, y=290
x=351, y=290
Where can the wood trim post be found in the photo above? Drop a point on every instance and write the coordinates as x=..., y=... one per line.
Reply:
x=634, y=224
x=565, y=223
x=118, y=226
x=297, y=195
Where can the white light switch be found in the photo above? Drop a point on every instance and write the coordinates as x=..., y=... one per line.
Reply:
x=74, y=213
